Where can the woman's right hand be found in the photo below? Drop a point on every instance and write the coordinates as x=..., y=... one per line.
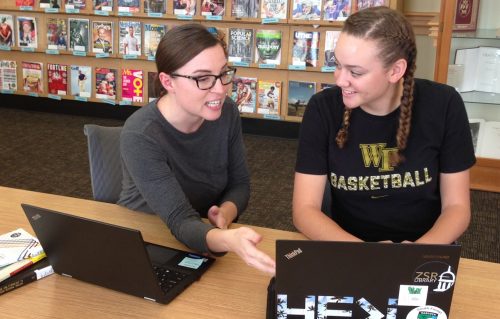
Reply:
x=242, y=241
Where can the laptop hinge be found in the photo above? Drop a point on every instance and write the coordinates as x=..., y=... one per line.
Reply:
x=150, y=299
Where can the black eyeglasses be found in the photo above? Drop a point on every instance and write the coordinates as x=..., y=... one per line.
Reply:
x=206, y=82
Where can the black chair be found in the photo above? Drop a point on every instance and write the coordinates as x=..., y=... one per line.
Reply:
x=105, y=163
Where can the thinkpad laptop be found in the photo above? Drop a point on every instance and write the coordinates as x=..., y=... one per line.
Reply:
x=114, y=257
x=319, y=279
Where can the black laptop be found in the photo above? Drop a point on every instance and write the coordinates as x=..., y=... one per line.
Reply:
x=114, y=257
x=320, y=279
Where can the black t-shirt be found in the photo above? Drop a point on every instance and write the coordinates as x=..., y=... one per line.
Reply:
x=371, y=199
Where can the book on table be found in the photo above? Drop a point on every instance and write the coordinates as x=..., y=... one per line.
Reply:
x=18, y=245
x=32, y=273
x=8, y=271
x=22, y=260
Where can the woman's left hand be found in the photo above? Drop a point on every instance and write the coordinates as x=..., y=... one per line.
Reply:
x=243, y=241
x=217, y=218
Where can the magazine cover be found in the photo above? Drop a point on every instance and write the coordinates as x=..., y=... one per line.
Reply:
x=130, y=37
x=7, y=30
x=244, y=94
x=336, y=10
x=27, y=32
x=132, y=85
x=105, y=83
x=305, y=48
x=32, y=77
x=155, y=6
x=152, y=94
x=363, y=4
x=25, y=3
x=8, y=75
x=54, y=4
x=57, y=34
x=269, y=98
x=273, y=9
x=245, y=8
x=219, y=33
x=102, y=36
x=103, y=5
x=57, y=78
x=152, y=36
x=212, y=7
x=185, y=7
x=81, y=80
x=78, y=34
x=240, y=45
x=299, y=94
x=306, y=9
x=75, y=4
x=331, y=38
x=129, y=5
x=268, y=46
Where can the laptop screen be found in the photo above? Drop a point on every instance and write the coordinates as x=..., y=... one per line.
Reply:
x=319, y=279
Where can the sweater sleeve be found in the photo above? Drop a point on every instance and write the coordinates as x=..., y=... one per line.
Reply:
x=238, y=187
x=149, y=169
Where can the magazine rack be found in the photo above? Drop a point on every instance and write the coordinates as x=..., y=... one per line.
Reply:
x=285, y=72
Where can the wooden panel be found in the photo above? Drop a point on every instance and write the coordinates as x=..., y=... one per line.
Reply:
x=444, y=40
x=422, y=21
x=485, y=175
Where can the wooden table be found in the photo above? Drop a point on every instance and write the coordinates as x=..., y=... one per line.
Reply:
x=230, y=289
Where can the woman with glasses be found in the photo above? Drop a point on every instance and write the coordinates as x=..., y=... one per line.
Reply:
x=183, y=154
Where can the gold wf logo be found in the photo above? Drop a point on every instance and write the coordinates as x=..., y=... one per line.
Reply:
x=377, y=155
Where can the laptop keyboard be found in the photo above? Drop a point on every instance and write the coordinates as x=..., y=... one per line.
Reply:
x=168, y=278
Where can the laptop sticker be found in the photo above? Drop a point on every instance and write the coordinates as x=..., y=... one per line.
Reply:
x=369, y=308
x=325, y=312
x=411, y=295
x=426, y=312
x=439, y=276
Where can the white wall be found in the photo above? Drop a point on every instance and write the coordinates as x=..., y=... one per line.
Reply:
x=422, y=5
x=489, y=14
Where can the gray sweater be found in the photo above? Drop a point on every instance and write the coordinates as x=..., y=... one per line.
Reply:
x=180, y=176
